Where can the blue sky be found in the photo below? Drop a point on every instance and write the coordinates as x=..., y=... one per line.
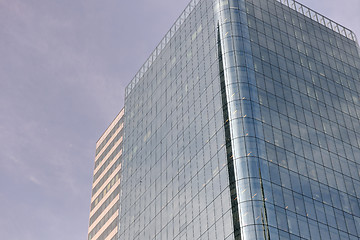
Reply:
x=63, y=69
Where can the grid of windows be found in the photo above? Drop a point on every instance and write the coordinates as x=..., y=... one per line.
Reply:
x=293, y=97
x=244, y=126
x=174, y=183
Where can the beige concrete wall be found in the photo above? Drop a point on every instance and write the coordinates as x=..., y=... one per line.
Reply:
x=107, y=181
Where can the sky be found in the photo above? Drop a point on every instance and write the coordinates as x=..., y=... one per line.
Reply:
x=64, y=66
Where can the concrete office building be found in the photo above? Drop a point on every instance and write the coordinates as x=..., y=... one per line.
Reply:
x=104, y=209
x=244, y=124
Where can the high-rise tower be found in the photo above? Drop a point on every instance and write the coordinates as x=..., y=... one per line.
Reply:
x=244, y=124
x=104, y=209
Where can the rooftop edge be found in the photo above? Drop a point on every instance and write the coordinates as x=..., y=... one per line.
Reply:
x=298, y=7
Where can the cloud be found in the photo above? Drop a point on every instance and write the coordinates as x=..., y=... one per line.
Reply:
x=35, y=180
x=63, y=67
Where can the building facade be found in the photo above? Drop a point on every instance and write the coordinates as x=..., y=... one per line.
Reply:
x=244, y=124
x=104, y=208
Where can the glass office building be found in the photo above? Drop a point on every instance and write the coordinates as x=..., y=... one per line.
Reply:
x=244, y=124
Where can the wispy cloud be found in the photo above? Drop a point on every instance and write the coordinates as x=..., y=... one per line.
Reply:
x=63, y=69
